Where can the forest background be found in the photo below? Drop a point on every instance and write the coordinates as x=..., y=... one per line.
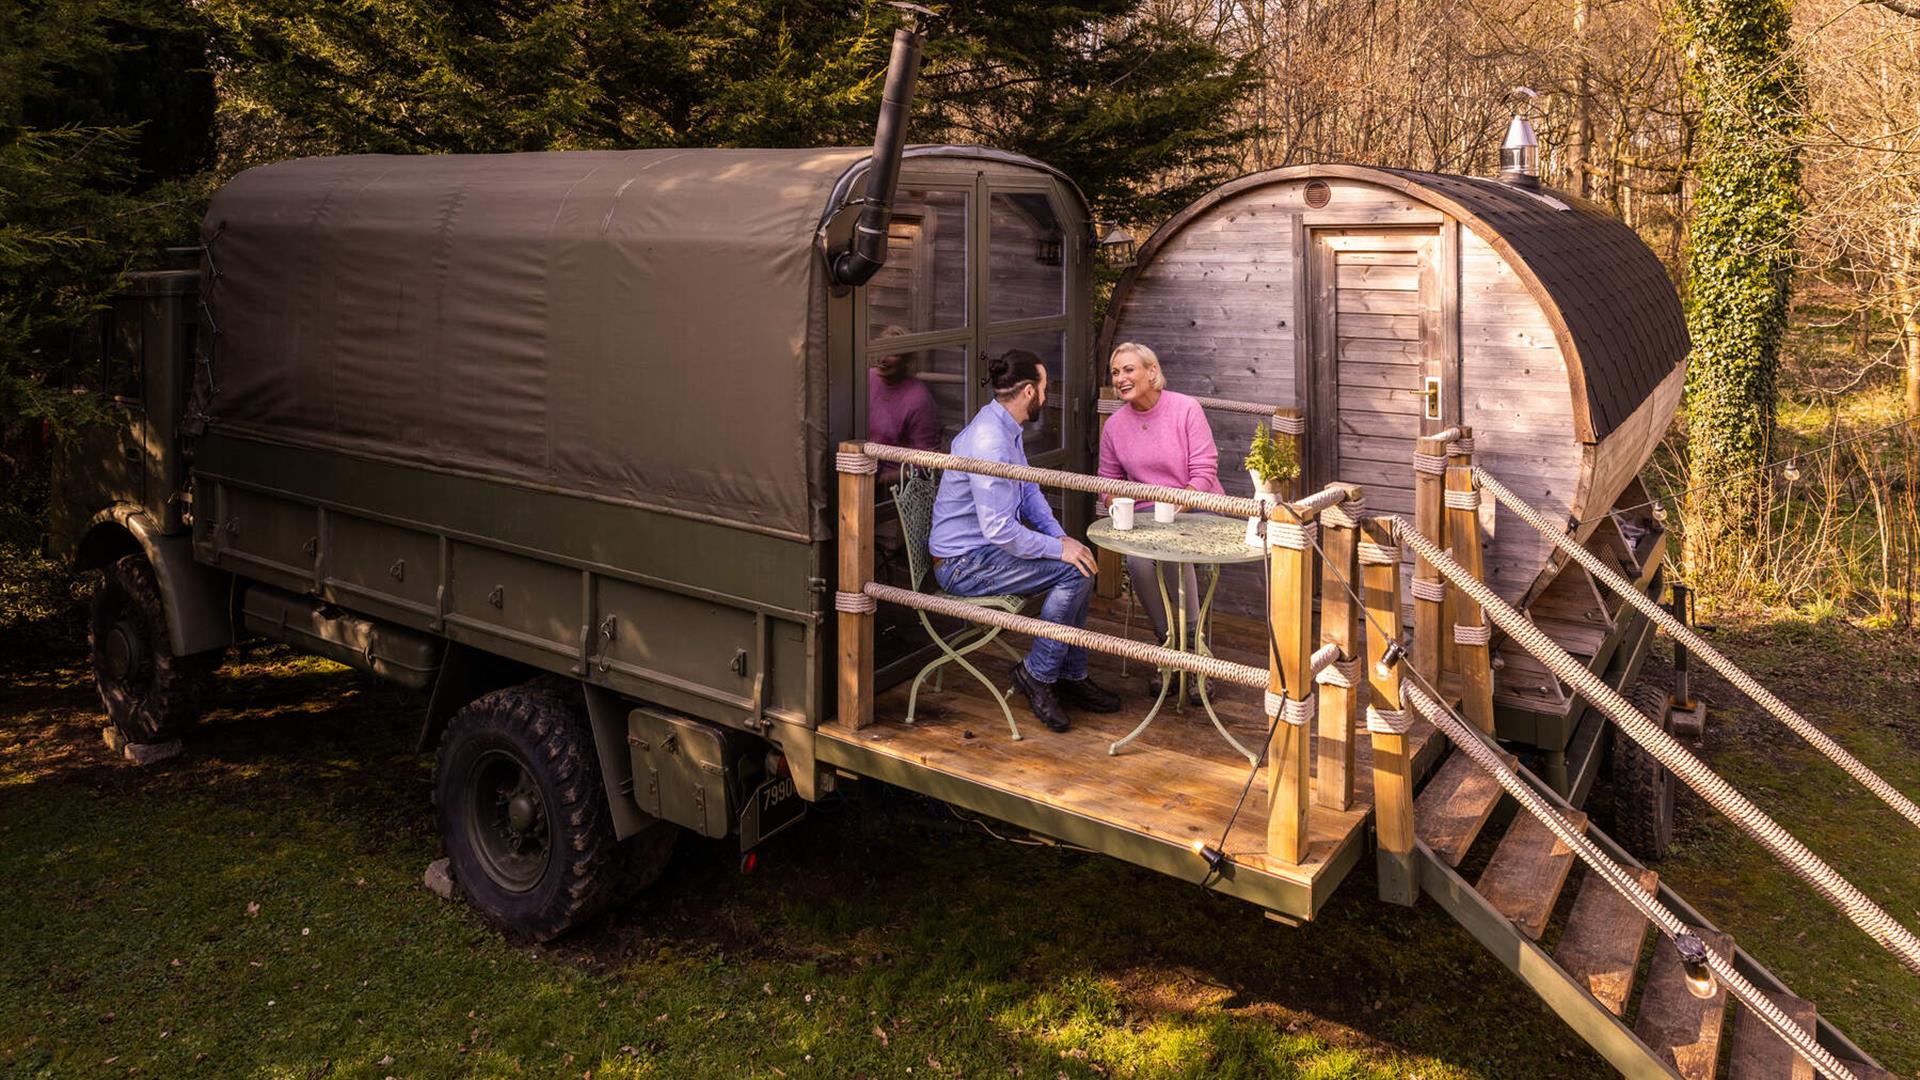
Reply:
x=1766, y=151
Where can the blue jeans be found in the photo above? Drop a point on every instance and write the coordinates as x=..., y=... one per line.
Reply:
x=990, y=571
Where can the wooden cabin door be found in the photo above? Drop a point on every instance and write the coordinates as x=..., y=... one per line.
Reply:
x=1376, y=376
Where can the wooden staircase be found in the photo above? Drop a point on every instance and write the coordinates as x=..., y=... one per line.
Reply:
x=1599, y=955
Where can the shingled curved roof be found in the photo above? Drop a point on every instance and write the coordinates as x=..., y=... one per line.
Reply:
x=1608, y=298
x=1603, y=287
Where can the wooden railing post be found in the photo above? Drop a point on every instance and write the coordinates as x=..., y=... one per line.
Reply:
x=856, y=569
x=1290, y=600
x=1467, y=624
x=1107, y=585
x=1429, y=591
x=1289, y=428
x=1340, y=627
x=1392, y=766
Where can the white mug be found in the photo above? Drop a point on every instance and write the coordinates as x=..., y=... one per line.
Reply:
x=1164, y=512
x=1121, y=511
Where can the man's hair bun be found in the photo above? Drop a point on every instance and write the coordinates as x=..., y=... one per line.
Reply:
x=998, y=368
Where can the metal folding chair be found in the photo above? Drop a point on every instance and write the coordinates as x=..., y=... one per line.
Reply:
x=913, y=499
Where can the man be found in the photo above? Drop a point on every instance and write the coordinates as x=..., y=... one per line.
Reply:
x=994, y=536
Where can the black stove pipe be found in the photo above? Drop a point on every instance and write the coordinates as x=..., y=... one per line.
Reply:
x=867, y=253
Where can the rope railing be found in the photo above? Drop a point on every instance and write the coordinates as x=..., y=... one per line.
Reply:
x=1228, y=505
x=1668, y=751
x=1109, y=406
x=1212, y=667
x=1685, y=634
x=1617, y=877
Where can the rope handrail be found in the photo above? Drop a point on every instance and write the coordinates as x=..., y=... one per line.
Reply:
x=1228, y=505
x=1474, y=745
x=1212, y=667
x=1722, y=796
x=1681, y=632
x=1109, y=406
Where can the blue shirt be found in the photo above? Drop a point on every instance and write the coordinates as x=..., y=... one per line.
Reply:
x=973, y=511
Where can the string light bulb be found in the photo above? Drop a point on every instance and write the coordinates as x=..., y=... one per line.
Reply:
x=1693, y=958
x=1791, y=472
x=1390, y=659
x=1215, y=859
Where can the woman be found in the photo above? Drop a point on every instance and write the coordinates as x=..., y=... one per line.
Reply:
x=1160, y=437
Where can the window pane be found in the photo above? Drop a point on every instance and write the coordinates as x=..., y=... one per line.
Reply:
x=917, y=399
x=1048, y=432
x=1028, y=276
x=923, y=286
x=125, y=344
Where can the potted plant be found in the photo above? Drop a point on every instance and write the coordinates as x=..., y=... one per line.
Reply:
x=1269, y=463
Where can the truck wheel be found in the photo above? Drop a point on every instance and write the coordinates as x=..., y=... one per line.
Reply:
x=150, y=694
x=523, y=814
x=1643, y=789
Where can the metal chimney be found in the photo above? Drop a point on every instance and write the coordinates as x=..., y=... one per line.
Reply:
x=1520, y=154
x=866, y=253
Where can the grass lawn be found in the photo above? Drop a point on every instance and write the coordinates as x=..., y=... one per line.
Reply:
x=254, y=908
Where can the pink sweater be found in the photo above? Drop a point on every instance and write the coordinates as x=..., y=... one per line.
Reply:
x=1169, y=444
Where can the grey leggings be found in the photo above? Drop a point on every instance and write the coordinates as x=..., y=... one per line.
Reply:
x=1140, y=569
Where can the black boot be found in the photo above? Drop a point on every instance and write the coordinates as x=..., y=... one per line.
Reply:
x=1041, y=698
x=1084, y=693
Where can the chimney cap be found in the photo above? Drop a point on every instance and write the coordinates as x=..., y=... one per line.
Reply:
x=1519, y=134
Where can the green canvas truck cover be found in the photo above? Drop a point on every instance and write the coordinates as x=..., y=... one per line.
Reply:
x=641, y=326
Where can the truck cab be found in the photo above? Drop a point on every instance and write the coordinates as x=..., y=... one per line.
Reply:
x=121, y=504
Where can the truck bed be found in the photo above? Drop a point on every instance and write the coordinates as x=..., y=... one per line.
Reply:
x=1174, y=785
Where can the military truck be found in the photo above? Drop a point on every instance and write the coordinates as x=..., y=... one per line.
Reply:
x=548, y=438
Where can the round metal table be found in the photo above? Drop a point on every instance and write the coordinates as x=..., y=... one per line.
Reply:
x=1195, y=538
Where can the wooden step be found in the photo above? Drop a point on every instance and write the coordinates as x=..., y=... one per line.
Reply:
x=1454, y=806
x=1759, y=1054
x=1524, y=878
x=1601, y=946
x=1680, y=1029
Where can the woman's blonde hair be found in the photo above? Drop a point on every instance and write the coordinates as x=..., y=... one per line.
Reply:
x=1148, y=359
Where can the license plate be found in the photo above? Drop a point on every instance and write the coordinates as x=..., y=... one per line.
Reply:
x=773, y=806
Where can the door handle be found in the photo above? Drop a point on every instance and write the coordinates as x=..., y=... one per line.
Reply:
x=1430, y=391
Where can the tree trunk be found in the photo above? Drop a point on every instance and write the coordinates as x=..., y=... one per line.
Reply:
x=1580, y=145
x=1739, y=271
x=1910, y=344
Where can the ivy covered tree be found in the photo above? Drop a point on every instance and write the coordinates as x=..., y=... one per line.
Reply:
x=1738, y=264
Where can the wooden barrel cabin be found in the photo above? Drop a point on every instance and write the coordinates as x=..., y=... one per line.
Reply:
x=1386, y=304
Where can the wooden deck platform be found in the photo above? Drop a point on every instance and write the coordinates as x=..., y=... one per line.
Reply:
x=1174, y=785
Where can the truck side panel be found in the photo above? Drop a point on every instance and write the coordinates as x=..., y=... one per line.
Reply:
x=713, y=621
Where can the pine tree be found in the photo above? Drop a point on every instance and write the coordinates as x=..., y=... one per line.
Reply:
x=1738, y=264
x=105, y=128
x=1118, y=100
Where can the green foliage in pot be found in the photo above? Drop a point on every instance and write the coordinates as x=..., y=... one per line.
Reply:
x=1270, y=459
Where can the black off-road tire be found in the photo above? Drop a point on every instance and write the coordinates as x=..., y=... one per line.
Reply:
x=1643, y=789
x=523, y=814
x=148, y=693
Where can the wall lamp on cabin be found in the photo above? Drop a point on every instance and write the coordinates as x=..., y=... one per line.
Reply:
x=1117, y=246
x=1048, y=250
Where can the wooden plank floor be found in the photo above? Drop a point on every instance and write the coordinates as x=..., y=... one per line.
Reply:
x=1178, y=782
